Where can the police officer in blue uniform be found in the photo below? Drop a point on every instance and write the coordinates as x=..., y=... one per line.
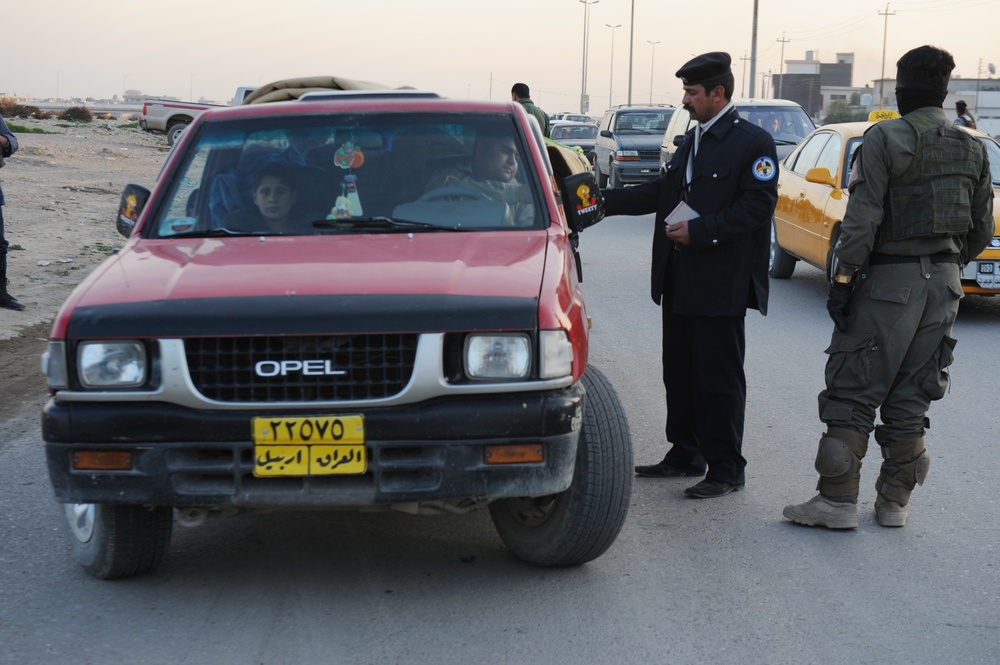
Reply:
x=708, y=268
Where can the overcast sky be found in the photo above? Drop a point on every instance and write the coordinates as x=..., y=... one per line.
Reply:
x=462, y=48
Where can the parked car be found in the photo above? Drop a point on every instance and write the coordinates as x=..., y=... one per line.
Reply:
x=628, y=143
x=787, y=122
x=575, y=134
x=302, y=318
x=573, y=117
x=812, y=200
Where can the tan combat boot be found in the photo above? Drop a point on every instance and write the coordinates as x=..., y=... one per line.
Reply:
x=838, y=461
x=905, y=466
x=820, y=511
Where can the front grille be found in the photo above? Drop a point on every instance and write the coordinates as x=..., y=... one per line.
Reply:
x=649, y=155
x=341, y=367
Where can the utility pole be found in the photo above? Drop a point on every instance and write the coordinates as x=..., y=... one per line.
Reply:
x=611, y=77
x=781, y=66
x=885, y=33
x=743, y=77
x=652, y=62
x=753, y=50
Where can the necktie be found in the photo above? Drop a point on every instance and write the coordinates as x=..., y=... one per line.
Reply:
x=694, y=151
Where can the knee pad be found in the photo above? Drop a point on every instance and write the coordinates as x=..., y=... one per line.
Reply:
x=906, y=464
x=834, y=457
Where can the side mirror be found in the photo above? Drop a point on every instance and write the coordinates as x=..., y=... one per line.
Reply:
x=821, y=176
x=132, y=202
x=582, y=200
x=678, y=140
x=606, y=133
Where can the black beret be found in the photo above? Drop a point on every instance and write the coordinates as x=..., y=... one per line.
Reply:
x=705, y=68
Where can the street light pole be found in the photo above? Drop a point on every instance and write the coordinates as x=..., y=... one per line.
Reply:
x=586, y=38
x=652, y=61
x=611, y=77
x=631, y=48
x=781, y=67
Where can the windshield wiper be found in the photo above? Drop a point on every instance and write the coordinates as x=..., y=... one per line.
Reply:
x=378, y=222
x=212, y=233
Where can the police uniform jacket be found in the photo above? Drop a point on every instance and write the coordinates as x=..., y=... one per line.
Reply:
x=723, y=272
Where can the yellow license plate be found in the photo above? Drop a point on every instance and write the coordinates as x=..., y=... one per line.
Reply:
x=308, y=446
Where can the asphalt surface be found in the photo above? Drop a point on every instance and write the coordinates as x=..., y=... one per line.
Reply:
x=688, y=581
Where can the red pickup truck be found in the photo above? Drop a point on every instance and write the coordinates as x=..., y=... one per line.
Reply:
x=365, y=300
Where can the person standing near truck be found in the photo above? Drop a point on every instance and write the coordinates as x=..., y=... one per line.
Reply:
x=921, y=206
x=520, y=93
x=8, y=146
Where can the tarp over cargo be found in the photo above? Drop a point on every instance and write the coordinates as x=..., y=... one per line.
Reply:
x=288, y=89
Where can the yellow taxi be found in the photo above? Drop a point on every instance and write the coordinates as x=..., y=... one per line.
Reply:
x=812, y=199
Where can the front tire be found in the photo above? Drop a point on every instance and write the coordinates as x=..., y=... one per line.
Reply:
x=112, y=541
x=780, y=263
x=580, y=524
x=614, y=181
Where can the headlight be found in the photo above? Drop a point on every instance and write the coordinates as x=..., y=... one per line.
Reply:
x=54, y=365
x=627, y=155
x=556, y=355
x=498, y=357
x=111, y=364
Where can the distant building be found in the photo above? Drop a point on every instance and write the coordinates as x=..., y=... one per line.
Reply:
x=813, y=84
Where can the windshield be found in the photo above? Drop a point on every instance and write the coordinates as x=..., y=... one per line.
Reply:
x=993, y=152
x=570, y=132
x=787, y=124
x=645, y=122
x=365, y=173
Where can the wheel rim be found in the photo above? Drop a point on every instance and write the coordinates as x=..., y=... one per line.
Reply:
x=81, y=518
x=532, y=512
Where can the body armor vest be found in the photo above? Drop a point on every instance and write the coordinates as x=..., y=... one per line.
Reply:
x=933, y=197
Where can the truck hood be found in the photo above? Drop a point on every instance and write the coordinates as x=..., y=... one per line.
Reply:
x=311, y=284
x=472, y=264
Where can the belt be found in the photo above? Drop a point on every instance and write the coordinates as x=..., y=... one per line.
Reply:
x=877, y=259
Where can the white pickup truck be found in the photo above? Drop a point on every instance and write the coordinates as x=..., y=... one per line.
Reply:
x=171, y=117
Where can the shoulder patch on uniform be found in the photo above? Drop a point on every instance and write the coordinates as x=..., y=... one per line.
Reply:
x=764, y=169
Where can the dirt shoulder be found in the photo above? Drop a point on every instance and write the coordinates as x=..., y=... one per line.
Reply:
x=62, y=190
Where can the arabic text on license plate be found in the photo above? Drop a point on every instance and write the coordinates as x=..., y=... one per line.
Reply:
x=309, y=446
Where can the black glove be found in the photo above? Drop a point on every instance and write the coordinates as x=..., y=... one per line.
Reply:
x=838, y=304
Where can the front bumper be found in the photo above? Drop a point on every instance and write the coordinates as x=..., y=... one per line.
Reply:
x=635, y=172
x=428, y=452
x=981, y=276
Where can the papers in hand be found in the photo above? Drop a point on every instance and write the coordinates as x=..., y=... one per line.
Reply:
x=682, y=213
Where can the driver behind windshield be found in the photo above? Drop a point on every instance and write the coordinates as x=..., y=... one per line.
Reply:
x=492, y=170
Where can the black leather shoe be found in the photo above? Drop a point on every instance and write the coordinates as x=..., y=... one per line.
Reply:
x=709, y=489
x=666, y=470
x=8, y=301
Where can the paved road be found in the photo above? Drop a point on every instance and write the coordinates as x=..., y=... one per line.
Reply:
x=718, y=581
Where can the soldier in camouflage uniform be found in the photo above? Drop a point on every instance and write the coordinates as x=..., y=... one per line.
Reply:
x=921, y=205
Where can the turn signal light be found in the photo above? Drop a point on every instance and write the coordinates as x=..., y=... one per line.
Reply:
x=102, y=460
x=515, y=453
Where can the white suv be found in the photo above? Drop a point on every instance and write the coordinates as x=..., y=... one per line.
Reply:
x=787, y=122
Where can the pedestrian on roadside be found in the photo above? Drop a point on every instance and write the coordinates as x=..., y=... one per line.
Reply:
x=8, y=146
x=520, y=93
x=707, y=271
x=964, y=118
x=921, y=205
